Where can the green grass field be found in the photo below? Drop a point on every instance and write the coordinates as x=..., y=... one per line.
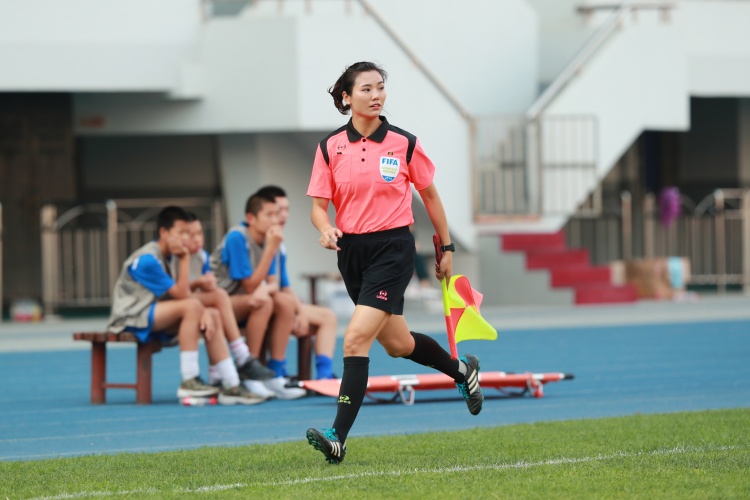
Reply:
x=682, y=455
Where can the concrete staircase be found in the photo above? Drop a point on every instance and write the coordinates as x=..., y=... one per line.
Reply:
x=567, y=268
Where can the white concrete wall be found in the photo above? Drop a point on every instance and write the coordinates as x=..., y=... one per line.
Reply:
x=715, y=37
x=96, y=45
x=562, y=33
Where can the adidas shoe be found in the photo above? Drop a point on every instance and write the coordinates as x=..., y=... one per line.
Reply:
x=253, y=369
x=284, y=389
x=470, y=388
x=239, y=395
x=196, y=388
x=259, y=388
x=327, y=442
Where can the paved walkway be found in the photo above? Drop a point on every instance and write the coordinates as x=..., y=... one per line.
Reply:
x=55, y=334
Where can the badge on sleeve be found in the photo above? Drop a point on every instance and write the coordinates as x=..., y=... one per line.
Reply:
x=389, y=167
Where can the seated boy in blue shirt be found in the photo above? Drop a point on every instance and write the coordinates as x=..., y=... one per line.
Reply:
x=148, y=302
x=305, y=314
x=243, y=263
x=219, y=305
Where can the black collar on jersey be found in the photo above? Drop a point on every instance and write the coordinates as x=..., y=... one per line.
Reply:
x=377, y=136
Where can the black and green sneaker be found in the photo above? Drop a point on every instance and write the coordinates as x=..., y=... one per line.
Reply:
x=470, y=388
x=326, y=441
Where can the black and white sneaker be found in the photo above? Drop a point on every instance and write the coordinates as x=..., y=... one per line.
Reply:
x=253, y=369
x=470, y=388
x=327, y=442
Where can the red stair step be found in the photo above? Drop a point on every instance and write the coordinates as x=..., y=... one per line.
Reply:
x=532, y=241
x=580, y=275
x=605, y=294
x=557, y=258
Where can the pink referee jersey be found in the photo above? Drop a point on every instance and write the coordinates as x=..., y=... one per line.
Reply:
x=369, y=179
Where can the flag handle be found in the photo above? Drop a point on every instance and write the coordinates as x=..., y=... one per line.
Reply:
x=446, y=306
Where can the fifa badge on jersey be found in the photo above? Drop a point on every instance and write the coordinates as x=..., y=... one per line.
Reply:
x=389, y=168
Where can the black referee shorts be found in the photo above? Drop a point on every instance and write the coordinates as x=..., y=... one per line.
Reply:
x=377, y=267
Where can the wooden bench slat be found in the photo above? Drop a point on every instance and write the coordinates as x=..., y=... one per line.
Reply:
x=105, y=337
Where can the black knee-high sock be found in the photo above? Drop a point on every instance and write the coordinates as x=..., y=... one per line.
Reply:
x=351, y=394
x=428, y=352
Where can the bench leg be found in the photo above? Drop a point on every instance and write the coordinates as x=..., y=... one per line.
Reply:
x=143, y=373
x=304, y=352
x=98, y=372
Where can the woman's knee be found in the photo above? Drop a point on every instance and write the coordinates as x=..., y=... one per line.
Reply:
x=396, y=349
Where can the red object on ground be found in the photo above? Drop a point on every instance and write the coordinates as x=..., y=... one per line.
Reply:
x=403, y=384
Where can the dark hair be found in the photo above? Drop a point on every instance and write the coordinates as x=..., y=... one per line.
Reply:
x=191, y=217
x=345, y=83
x=255, y=202
x=168, y=216
x=272, y=191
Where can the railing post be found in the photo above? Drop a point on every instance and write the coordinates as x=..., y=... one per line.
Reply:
x=113, y=262
x=648, y=225
x=626, y=202
x=721, y=272
x=534, y=166
x=218, y=222
x=50, y=255
x=473, y=144
x=746, y=242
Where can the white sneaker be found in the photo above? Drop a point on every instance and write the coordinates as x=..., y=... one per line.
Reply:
x=257, y=387
x=283, y=390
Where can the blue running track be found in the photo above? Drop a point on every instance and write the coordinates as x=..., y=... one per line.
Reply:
x=619, y=370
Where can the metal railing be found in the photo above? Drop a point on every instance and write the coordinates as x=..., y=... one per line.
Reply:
x=714, y=235
x=83, y=248
x=514, y=175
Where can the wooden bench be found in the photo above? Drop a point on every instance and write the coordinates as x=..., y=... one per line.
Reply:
x=99, y=384
x=142, y=385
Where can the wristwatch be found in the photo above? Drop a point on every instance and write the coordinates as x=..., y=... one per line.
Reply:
x=448, y=248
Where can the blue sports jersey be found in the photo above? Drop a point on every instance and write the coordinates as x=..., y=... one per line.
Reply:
x=284, y=279
x=206, y=265
x=147, y=271
x=236, y=254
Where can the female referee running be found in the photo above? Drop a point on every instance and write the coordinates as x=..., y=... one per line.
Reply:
x=366, y=168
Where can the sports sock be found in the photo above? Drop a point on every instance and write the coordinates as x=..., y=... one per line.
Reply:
x=229, y=375
x=427, y=352
x=351, y=394
x=240, y=351
x=213, y=374
x=278, y=365
x=189, y=368
x=323, y=366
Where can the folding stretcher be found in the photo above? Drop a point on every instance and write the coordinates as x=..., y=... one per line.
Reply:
x=404, y=387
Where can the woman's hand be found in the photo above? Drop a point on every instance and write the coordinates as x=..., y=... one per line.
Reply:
x=330, y=237
x=445, y=268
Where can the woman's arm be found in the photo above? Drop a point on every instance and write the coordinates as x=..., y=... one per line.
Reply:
x=329, y=235
x=436, y=211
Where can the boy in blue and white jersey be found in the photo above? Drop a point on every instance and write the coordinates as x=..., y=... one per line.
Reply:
x=219, y=306
x=148, y=302
x=305, y=314
x=244, y=263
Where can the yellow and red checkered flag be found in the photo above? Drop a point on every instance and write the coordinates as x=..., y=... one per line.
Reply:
x=461, y=306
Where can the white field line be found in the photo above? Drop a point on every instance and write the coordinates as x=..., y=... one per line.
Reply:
x=677, y=450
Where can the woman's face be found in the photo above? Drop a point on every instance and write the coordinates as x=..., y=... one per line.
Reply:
x=368, y=95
